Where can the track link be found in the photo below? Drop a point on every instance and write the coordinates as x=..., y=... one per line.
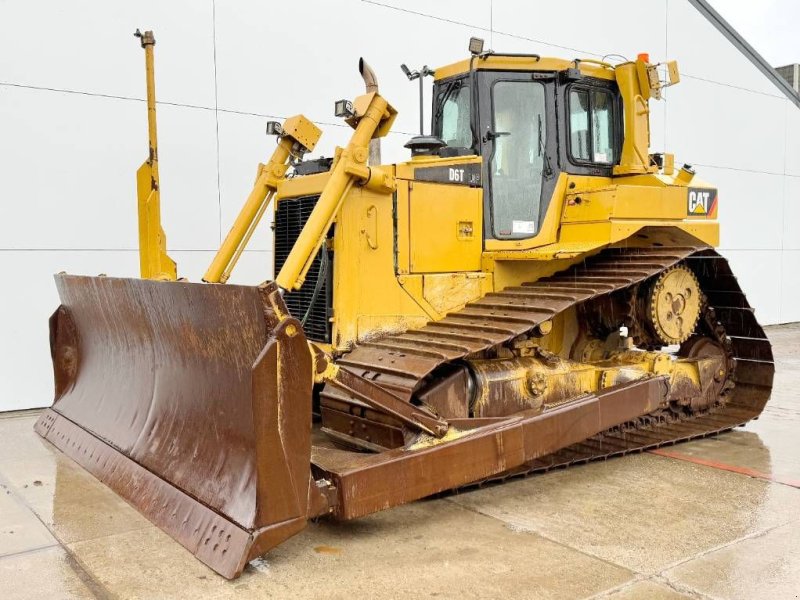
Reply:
x=402, y=362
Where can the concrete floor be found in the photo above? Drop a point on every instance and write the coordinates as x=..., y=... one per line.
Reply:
x=642, y=526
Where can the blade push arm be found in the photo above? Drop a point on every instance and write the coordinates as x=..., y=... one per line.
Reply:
x=418, y=418
x=297, y=136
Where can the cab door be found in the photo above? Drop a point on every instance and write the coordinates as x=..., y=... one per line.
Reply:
x=518, y=144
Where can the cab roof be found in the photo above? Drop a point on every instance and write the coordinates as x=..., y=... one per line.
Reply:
x=503, y=62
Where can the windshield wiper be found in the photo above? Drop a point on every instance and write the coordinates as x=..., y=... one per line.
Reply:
x=547, y=170
x=448, y=91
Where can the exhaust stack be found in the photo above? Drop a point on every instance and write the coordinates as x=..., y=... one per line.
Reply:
x=371, y=84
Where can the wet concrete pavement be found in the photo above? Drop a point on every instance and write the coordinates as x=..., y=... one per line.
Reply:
x=715, y=518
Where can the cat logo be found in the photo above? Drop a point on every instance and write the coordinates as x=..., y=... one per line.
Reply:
x=702, y=202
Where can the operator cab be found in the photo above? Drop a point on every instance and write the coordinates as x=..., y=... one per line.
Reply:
x=529, y=118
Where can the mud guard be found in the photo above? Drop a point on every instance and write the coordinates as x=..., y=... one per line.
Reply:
x=191, y=401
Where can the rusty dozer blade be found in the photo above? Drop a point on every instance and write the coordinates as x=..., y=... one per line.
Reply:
x=191, y=401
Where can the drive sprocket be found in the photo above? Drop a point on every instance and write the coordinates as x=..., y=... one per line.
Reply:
x=674, y=305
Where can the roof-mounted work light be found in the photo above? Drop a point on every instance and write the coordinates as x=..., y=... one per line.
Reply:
x=475, y=46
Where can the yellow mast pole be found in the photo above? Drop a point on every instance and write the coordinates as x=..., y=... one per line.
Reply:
x=154, y=262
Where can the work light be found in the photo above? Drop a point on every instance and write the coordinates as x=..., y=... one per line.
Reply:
x=475, y=45
x=274, y=128
x=343, y=108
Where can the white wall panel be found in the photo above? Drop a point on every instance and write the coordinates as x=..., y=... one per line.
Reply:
x=60, y=189
x=703, y=52
x=192, y=264
x=25, y=368
x=516, y=44
x=750, y=208
x=68, y=159
x=627, y=28
x=711, y=124
x=89, y=46
x=759, y=275
x=309, y=73
x=393, y=148
x=71, y=178
x=187, y=157
x=476, y=14
x=791, y=219
x=790, y=286
x=242, y=146
x=792, y=139
x=253, y=268
x=658, y=123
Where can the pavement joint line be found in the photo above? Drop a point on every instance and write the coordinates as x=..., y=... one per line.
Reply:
x=4, y=483
x=30, y=550
x=637, y=575
x=11, y=490
x=681, y=588
x=95, y=587
x=637, y=578
x=724, y=546
x=517, y=528
x=714, y=464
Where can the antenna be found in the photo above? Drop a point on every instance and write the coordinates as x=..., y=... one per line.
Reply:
x=420, y=74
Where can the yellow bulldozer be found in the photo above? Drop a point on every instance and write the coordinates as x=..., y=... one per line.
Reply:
x=532, y=288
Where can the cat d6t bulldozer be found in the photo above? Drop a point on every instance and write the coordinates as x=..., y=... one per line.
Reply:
x=533, y=287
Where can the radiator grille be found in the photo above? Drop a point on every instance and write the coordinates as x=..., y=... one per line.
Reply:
x=290, y=216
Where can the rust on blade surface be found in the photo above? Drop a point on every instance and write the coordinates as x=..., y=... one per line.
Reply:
x=192, y=402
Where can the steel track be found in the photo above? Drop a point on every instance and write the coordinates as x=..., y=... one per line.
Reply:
x=403, y=362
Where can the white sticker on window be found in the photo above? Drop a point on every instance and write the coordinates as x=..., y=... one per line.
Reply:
x=600, y=157
x=523, y=226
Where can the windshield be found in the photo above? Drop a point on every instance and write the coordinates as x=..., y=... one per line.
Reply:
x=518, y=161
x=452, y=115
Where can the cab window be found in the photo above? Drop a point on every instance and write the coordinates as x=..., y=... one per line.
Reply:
x=452, y=116
x=591, y=125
